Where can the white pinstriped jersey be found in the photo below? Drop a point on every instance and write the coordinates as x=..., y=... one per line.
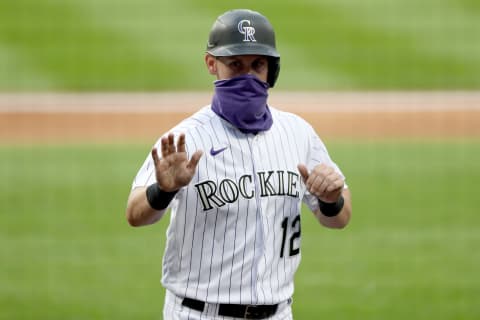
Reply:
x=234, y=234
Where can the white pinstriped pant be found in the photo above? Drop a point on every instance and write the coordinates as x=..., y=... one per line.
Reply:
x=173, y=310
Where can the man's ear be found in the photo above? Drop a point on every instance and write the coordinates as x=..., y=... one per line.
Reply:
x=211, y=63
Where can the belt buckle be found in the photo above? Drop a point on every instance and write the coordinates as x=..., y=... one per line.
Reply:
x=247, y=313
x=252, y=312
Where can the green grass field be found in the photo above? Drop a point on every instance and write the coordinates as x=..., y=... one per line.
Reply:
x=410, y=252
x=123, y=45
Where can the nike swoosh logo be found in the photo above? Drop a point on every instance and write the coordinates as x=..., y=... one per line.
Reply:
x=214, y=152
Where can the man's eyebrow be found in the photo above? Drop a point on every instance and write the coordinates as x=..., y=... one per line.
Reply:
x=260, y=59
x=227, y=57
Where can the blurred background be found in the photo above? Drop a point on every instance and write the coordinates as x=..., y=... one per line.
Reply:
x=392, y=87
x=158, y=45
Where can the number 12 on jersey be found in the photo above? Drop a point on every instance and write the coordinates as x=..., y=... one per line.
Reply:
x=294, y=229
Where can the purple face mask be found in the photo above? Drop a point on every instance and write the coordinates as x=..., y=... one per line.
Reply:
x=242, y=101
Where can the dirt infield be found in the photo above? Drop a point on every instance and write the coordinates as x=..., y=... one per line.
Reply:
x=68, y=118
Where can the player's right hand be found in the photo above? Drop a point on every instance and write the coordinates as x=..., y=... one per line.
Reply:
x=174, y=170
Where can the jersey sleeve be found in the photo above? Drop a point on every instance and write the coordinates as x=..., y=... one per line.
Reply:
x=318, y=154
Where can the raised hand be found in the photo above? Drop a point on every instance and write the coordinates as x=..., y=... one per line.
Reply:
x=323, y=182
x=174, y=170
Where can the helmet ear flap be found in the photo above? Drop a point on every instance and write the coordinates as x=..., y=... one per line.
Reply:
x=273, y=70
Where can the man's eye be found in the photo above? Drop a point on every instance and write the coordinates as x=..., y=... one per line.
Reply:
x=259, y=64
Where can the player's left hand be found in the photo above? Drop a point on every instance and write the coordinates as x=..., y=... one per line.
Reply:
x=323, y=181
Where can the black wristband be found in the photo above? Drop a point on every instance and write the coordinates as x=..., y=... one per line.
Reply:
x=157, y=198
x=331, y=209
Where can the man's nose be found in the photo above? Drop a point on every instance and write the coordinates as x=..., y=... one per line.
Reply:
x=251, y=71
x=247, y=70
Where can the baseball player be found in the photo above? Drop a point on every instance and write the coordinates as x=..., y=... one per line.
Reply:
x=235, y=175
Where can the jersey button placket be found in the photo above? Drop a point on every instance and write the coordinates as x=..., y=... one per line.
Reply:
x=257, y=164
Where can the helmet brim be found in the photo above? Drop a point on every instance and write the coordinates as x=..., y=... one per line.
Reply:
x=243, y=49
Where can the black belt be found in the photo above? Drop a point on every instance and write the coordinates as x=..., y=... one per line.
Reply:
x=243, y=311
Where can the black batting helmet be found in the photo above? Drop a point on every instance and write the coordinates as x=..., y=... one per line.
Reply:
x=245, y=32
